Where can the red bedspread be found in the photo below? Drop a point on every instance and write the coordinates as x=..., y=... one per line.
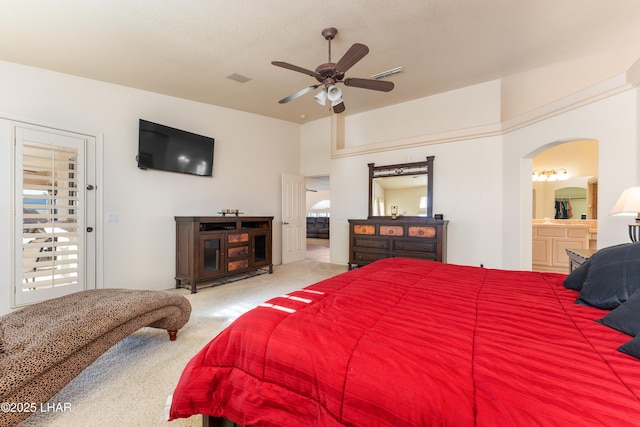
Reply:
x=415, y=343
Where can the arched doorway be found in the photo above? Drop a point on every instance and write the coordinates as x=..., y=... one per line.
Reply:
x=564, y=202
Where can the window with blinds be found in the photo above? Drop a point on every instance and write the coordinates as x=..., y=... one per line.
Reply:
x=50, y=216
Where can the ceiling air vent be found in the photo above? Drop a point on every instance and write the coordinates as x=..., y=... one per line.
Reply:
x=238, y=78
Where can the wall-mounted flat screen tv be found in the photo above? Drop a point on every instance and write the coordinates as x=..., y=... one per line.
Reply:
x=165, y=148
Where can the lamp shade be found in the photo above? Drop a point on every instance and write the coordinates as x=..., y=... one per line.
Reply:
x=628, y=203
x=321, y=97
x=333, y=93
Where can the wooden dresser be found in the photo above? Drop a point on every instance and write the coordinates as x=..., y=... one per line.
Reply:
x=374, y=239
x=209, y=248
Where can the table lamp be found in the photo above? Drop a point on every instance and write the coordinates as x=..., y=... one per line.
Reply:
x=629, y=204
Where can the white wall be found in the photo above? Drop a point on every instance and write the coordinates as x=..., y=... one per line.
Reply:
x=251, y=152
x=465, y=108
x=315, y=148
x=614, y=123
x=483, y=183
x=466, y=172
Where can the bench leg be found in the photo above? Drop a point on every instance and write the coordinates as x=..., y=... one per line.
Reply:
x=173, y=334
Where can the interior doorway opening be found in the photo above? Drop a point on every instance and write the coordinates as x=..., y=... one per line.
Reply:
x=564, y=203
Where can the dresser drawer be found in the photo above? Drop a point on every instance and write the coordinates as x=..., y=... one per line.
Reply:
x=428, y=256
x=238, y=251
x=374, y=243
x=422, y=231
x=238, y=237
x=417, y=245
x=369, y=256
x=364, y=229
x=550, y=231
x=391, y=230
x=238, y=265
x=579, y=233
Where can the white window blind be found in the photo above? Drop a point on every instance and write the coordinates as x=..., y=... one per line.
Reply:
x=50, y=216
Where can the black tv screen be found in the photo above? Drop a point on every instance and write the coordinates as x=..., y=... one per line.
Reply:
x=165, y=148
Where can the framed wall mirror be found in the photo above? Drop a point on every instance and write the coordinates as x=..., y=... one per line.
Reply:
x=404, y=190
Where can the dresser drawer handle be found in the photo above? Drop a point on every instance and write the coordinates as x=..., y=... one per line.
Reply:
x=421, y=232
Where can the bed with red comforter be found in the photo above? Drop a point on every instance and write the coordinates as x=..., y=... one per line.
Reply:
x=405, y=342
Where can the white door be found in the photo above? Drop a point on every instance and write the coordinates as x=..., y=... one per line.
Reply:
x=54, y=214
x=294, y=233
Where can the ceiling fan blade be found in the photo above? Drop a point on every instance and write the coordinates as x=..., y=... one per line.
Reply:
x=295, y=68
x=339, y=108
x=353, y=55
x=383, y=86
x=298, y=94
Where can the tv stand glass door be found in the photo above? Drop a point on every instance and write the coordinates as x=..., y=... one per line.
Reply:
x=212, y=255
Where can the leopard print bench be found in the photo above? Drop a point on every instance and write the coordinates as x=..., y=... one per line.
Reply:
x=46, y=345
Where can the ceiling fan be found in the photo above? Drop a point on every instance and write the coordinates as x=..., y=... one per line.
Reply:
x=330, y=74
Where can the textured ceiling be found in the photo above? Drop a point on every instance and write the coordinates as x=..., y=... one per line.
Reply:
x=187, y=48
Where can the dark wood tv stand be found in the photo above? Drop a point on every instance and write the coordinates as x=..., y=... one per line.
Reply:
x=210, y=248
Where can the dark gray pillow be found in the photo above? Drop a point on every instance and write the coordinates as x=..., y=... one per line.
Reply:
x=576, y=278
x=614, y=274
x=625, y=318
x=632, y=348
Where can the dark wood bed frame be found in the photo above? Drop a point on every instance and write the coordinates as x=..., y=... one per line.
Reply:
x=209, y=421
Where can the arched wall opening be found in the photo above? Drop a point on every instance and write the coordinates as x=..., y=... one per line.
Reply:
x=561, y=218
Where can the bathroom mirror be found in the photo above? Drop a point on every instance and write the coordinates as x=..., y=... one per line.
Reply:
x=405, y=188
x=573, y=199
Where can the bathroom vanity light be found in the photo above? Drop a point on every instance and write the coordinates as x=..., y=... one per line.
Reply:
x=550, y=175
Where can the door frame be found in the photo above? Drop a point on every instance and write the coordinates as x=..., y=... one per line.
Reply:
x=93, y=160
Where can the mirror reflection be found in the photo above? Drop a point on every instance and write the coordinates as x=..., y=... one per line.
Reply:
x=572, y=199
x=570, y=203
x=402, y=190
x=408, y=193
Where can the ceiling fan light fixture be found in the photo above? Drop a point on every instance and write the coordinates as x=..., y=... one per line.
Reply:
x=333, y=93
x=330, y=73
x=321, y=97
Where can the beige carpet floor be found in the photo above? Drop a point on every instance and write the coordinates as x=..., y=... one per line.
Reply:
x=318, y=250
x=129, y=384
